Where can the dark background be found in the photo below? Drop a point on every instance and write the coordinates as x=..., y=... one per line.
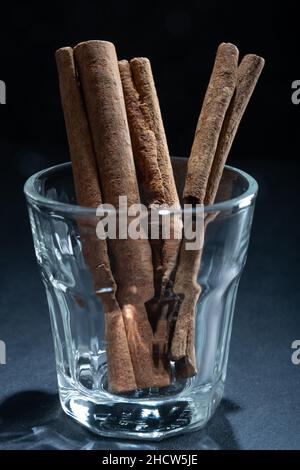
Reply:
x=262, y=405
x=180, y=38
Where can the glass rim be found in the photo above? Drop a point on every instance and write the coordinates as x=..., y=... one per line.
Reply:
x=32, y=194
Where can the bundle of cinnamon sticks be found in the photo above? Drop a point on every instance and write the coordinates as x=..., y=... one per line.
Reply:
x=118, y=148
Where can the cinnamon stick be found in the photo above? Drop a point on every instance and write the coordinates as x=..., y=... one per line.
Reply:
x=149, y=103
x=151, y=155
x=247, y=75
x=218, y=96
x=155, y=175
x=120, y=371
x=144, y=143
x=102, y=88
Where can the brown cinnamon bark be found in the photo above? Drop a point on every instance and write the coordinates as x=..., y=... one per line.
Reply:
x=156, y=180
x=151, y=157
x=248, y=73
x=102, y=88
x=120, y=371
x=149, y=103
x=247, y=76
x=144, y=143
x=145, y=87
x=219, y=93
x=218, y=96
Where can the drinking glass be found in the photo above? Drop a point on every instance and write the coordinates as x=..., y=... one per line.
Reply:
x=78, y=319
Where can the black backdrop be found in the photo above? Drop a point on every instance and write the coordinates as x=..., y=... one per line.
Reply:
x=180, y=38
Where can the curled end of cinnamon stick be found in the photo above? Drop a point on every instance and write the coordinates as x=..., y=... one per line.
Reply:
x=228, y=47
x=94, y=43
x=260, y=61
x=63, y=53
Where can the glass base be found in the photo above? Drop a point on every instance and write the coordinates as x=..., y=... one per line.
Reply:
x=152, y=414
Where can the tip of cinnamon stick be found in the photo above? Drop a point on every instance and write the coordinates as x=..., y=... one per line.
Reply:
x=140, y=60
x=123, y=63
x=229, y=46
x=253, y=57
x=94, y=43
x=64, y=50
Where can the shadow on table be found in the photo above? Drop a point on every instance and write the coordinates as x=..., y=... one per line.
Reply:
x=35, y=420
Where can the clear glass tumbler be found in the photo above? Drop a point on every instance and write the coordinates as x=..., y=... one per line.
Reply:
x=78, y=318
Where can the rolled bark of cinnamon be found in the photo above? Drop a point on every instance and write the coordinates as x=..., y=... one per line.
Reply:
x=218, y=96
x=151, y=156
x=120, y=370
x=217, y=99
x=102, y=88
x=155, y=175
x=247, y=75
x=149, y=103
x=144, y=143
